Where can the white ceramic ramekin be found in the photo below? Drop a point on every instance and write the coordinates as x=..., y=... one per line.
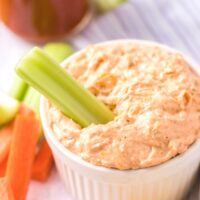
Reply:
x=168, y=181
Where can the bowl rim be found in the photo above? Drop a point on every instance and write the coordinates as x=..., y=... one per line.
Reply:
x=64, y=152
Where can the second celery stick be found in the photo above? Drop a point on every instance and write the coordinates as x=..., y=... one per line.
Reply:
x=18, y=89
x=58, y=51
x=32, y=100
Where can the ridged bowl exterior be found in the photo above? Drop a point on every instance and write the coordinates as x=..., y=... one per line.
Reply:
x=84, y=181
x=171, y=184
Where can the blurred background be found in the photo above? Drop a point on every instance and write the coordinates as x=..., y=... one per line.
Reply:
x=27, y=23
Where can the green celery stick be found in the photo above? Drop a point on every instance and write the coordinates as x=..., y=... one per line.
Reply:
x=18, y=89
x=106, y=5
x=58, y=51
x=45, y=75
x=8, y=108
x=32, y=100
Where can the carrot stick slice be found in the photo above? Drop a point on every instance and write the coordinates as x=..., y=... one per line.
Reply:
x=22, y=152
x=5, y=140
x=3, y=166
x=5, y=190
x=43, y=163
x=24, y=110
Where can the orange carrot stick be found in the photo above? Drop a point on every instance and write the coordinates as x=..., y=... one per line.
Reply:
x=5, y=190
x=24, y=110
x=3, y=166
x=5, y=140
x=43, y=163
x=21, y=156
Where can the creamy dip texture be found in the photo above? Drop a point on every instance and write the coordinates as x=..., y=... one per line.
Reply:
x=154, y=94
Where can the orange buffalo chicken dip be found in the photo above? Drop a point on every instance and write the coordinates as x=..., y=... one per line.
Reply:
x=155, y=97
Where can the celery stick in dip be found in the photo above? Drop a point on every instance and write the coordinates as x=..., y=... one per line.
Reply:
x=43, y=73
